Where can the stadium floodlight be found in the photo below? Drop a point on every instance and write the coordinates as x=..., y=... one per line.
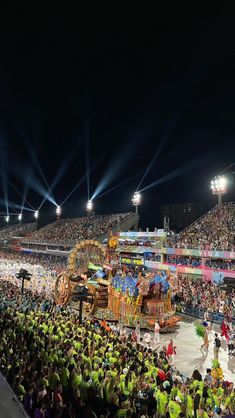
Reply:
x=7, y=219
x=219, y=187
x=58, y=211
x=136, y=200
x=89, y=206
x=36, y=214
x=20, y=217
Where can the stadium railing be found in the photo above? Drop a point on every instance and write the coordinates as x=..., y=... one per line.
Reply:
x=196, y=312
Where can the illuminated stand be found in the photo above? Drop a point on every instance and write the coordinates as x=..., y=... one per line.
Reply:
x=219, y=187
x=58, y=212
x=89, y=207
x=136, y=200
x=36, y=215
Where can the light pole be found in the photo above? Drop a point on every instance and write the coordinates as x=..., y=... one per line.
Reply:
x=20, y=217
x=219, y=187
x=58, y=212
x=136, y=201
x=36, y=215
x=7, y=218
x=89, y=207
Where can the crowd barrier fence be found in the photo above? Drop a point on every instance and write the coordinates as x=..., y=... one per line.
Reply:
x=199, y=313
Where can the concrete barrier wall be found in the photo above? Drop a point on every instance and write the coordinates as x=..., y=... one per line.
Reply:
x=10, y=407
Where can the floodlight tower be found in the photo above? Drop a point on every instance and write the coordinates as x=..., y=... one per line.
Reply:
x=219, y=187
x=20, y=217
x=58, y=212
x=136, y=201
x=7, y=219
x=36, y=215
x=89, y=207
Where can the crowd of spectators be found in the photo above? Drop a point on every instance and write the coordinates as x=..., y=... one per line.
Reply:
x=72, y=230
x=215, y=264
x=49, y=262
x=17, y=230
x=204, y=295
x=153, y=257
x=214, y=231
x=220, y=264
x=43, y=270
x=185, y=261
x=62, y=369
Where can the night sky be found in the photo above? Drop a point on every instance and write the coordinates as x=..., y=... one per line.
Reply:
x=105, y=102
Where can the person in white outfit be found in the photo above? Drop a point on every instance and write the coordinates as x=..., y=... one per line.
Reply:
x=147, y=338
x=156, y=333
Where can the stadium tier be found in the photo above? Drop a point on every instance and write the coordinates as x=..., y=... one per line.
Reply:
x=17, y=230
x=70, y=231
x=215, y=231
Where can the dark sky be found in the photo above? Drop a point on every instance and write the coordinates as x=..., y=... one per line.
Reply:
x=81, y=94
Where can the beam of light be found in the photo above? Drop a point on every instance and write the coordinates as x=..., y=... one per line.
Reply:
x=160, y=146
x=38, y=166
x=87, y=144
x=47, y=196
x=59, y=174
x=36, y=163
x=23, y=195
x=15, y=206
x=62, y=169
x=3, y=214
x=40, y=189
x=34, y=184
x=119, y=185
x=83, y=178
x=5, y=189
x=4, y=182
x=34, y=159
x=122, y=159
x=26, y=189
x=227, y=168
x=189, y=166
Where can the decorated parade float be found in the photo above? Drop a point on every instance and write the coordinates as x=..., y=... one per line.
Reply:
x=114, y=292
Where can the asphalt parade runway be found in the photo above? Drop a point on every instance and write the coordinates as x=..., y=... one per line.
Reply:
x=188, y=354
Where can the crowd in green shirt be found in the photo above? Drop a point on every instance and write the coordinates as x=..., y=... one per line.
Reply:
x=59, y=368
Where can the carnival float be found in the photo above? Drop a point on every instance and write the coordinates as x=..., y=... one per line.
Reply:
x=114, y=293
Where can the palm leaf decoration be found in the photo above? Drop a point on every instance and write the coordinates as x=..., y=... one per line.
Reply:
x=200, y=330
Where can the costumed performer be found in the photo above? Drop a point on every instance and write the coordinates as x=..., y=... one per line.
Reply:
x=171, y=352
x=156, y=333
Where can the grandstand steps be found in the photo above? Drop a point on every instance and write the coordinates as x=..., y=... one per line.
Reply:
x=126, y=225
x=198, y=220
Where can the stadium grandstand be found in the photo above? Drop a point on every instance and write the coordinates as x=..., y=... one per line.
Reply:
x=70, y=231
x=17, y=230
x=213, y=231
